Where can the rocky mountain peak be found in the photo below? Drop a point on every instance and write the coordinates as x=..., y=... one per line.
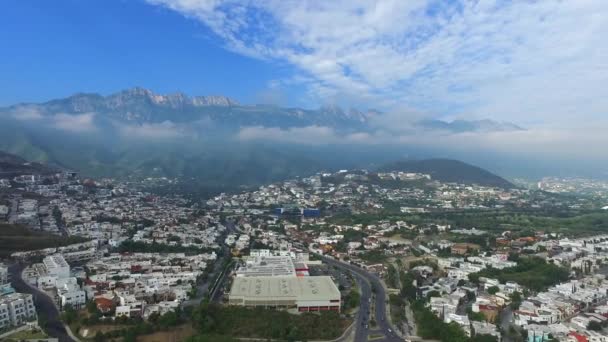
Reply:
x=137, y=91
x=213, y=100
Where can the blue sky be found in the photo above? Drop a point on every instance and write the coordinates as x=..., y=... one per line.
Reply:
x=51, y=49
x=535, y=63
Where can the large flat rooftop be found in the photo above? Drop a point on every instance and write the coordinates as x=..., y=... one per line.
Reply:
x=55, y=260
x=266, y=266
x=293, y=288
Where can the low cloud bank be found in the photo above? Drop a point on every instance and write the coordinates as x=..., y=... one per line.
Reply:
x=582, y=142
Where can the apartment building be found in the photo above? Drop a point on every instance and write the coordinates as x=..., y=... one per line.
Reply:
x=16, y=309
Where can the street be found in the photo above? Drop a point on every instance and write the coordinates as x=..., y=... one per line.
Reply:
x=12, y=216
x=205, y=285
x=44, y=305
x=368, y=281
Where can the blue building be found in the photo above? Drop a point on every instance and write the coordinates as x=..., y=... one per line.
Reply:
x=311, y=213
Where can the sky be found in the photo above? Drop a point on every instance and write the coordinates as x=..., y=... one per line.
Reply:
x=52, y=49
x=541, y=64
x=529, y=62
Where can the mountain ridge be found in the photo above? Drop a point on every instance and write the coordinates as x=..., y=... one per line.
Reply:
x=142, y=106
x=11, y=164
x=450, y=171
x=139, y=132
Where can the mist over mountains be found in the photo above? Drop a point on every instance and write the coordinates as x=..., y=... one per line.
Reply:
x=216, y=139
x=139, y=106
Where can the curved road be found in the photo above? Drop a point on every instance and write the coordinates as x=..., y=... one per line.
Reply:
x=44, y=305
x=367, y=281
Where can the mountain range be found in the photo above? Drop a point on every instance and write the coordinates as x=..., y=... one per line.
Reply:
x=137, y=132
x=142, y=106
x=444, y=170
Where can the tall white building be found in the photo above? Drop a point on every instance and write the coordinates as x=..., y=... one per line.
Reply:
x=3, y=274
x=58, y=276
x=56, y=266
x=16, y=309
x=69, y=293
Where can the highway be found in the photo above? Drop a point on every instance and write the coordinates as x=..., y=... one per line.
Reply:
x=363, y=316
x=215, y=294
x=44, y=305
x=218, y=269
x=368, y=280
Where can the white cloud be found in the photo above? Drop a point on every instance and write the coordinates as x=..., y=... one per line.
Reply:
x=539, y=143
x=26, y=113
x=311, y=135
x=522, y=61
x=78, y=123
x=583, y=142
x=163, y=130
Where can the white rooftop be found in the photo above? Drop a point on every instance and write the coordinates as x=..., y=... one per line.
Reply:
x=297, y=288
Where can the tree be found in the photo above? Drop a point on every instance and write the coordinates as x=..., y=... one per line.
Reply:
x=69, y=315
x=396, y=300
x=532, y=272
x=595, y=326
x=475, y=316
x=266, y=323
x=211, y=338
x=129, y=336
x=408, y=290
x=99, y=337
x=484, y=338
x=433, y=293
x=513, y=257
x=493, y=290
x=432, y=327
x=392, y=276
x=515, y=300
x=474, y=278
x=352, y=299
x=293, y=334
x=91, y=306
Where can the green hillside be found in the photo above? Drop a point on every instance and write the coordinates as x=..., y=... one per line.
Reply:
x=449, y=171
x=15, y=238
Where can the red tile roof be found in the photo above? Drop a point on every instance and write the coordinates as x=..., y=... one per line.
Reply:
x=579, y=337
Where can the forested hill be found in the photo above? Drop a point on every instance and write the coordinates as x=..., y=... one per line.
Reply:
x=449, y=170
x=11, y=164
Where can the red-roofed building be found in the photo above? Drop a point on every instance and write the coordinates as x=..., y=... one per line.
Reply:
x=89, y=282
x=104, y=305
x=527, y=239
x=301, y=267
x=490, y=312
x=576, y=337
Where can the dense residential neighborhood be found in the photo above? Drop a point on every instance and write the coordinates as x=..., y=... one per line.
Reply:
x=143, y=256
x=304, y=171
